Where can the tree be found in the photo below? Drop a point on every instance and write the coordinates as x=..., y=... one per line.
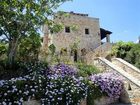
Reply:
x=120, y=49
x=20, y=18
x=2, y=48
x=134, y=55
x=29, y=48
x=128, y=51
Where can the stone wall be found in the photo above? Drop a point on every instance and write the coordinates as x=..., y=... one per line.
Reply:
x=90, y=41
x=87, y=41
x=101, y=101
x=101, y=51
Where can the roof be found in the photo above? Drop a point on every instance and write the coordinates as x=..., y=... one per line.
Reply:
x=104, y=33
x=73, y=13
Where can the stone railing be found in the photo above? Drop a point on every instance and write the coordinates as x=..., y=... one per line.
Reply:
x=101, y=51
x=111, y=67
x=129, y=68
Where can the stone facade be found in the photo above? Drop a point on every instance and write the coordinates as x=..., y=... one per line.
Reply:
x=86, y=34
x=101, y=101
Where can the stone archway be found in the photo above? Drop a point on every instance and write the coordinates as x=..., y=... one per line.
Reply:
x=75, y=56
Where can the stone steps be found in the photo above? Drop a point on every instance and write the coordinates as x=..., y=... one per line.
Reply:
x=132, y=80
x=129, y=68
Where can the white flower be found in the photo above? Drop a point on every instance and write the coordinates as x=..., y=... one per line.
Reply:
x=21, y=100
x=33, y=90
x=5, y=94
x=20, y=91
x=10, y=103
x=4, y=103
x=26, y=85
x=40, y=81
x=81, y=78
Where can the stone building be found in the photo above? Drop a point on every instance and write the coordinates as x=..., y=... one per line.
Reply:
x=80, y=31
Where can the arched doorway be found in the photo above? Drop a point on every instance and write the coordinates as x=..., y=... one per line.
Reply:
x=75, y=56
x=83, y=52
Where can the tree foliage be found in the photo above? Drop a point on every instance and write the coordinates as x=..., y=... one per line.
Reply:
x=134, y=55
x=128, y=51
x=121, y=49
x=3, y=48
x=29, y=48
x=21, y=18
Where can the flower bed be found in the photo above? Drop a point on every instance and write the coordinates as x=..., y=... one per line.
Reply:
x=57, y=85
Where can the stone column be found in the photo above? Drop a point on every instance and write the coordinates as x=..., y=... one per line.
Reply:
x=108, y=38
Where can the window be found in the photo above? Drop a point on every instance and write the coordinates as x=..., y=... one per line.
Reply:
x=67, y=29
x=63, y=51
x=86, y=31
x=83, y=52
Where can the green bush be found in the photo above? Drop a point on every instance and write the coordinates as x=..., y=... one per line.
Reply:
x=93, y=93
x=121, y=49
x=133, y=55
x=86, y=70
x=20, y=69
x=128, y=51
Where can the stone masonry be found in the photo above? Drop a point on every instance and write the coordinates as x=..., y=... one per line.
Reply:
x=86, y=34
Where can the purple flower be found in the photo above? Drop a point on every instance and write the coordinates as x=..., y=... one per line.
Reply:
x=109, y=83
x=61, y=70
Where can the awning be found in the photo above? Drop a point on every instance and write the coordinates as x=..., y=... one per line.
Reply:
x=104, y=32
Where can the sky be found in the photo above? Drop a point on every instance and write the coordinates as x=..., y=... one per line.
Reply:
x=122, y=17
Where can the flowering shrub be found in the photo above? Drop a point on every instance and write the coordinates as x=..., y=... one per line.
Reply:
x=31, y=67
x=51, y=89
x=64, y=91
x=108, y=83
x=58, y=85
x=62, y=70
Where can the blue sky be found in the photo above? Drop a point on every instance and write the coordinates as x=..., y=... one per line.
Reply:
x=122, y=17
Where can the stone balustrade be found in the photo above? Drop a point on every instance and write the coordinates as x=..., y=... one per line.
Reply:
x=119, y=70
x=131, y=82
x=102, y=51
x=129, y=68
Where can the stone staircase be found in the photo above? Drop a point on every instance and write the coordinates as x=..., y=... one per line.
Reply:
x=130, y=74
x=129, y=68
x=101, y=51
